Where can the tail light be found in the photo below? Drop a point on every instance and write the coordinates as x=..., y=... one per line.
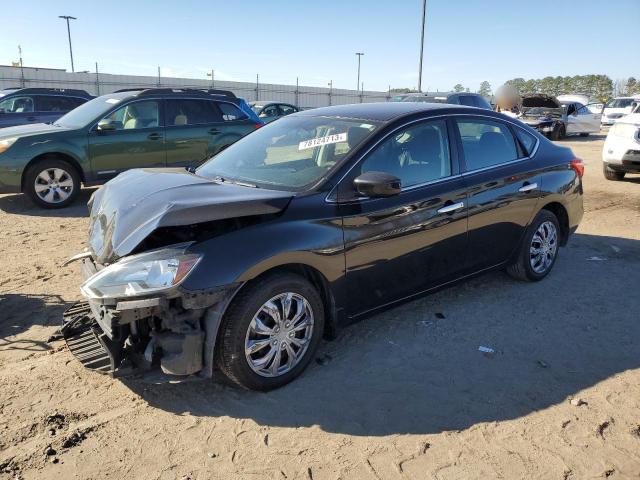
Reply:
x=578, y=165
x=258, y=125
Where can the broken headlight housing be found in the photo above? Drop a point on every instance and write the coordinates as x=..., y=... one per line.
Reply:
x=141, y=274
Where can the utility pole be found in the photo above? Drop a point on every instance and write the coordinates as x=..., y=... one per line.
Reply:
x=257, y=87
x=97, y=81
x=424, y=14
x=158, y=76
x=212, y=74
x=67, y=18
x=22, y=82
x=359, y=54
x=330, y=89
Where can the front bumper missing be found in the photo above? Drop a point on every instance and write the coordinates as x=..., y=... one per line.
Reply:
x=86, y=341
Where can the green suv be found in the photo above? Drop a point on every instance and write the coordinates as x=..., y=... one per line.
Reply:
x=156, y=127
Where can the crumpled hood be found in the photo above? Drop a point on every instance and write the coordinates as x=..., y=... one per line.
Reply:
x=30, y=130
x=131, y=206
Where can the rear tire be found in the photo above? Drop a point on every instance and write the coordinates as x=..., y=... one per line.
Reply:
x=249, y=335
x=52, y=183
x=543, y=237
x=559, y=132
x=611, y=174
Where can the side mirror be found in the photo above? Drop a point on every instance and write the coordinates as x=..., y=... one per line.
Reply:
x=377, y=184
x=106, y=126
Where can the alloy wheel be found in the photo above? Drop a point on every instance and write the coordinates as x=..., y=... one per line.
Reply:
x=279, y=335
x=544, y=246
x=53, y=185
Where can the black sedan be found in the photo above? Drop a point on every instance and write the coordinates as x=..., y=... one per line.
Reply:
x=308, y=224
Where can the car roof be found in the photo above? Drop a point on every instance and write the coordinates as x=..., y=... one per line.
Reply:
x=384, y=111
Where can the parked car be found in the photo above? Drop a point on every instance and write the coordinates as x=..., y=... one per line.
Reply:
x=617, y=108
x=621, y=150
x=239, y=101
x=454, y=98
x=21, y=106
x=270, y=111
x=155, y=127
x=555, y=119
x=307, y=224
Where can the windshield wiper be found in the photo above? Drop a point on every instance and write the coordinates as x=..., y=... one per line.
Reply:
x=221, y=179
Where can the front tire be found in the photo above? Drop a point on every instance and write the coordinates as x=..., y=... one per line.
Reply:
x=539, y=249
x=270, y=332
x=611, y=174
x=52, y=183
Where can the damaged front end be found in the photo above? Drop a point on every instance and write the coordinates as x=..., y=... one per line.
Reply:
x=543, y=113
x=136, y=316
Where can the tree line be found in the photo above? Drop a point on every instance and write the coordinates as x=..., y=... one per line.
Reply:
x=599, y=87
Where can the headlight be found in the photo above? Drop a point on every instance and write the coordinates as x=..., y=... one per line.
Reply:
x=141, y=274
x=6, y=143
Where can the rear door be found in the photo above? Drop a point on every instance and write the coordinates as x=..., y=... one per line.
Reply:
x=199, y=128
x=503, y=187
x=402, y=245
x=137, y=140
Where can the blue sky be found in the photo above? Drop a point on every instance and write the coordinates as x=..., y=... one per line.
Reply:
x=465, y=42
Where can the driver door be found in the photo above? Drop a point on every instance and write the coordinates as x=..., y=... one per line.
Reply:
x=136, y=139
x=405, y=244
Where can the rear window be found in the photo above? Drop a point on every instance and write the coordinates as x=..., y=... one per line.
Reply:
x=231, y=112
x=486, y=143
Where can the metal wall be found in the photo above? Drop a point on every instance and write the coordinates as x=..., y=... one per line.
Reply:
x=101, y=83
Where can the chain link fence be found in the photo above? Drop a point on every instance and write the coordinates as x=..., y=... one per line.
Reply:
x=98, y=83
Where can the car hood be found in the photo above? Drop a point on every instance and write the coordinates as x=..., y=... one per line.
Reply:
x=130, y=207
x=30, y=130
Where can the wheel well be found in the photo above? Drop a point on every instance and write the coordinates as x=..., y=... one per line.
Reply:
x=563, y=218
x=57, y=156
x=321, y=284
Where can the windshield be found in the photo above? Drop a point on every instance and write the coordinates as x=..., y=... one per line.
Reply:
x=88, y=111
x=619, y=103
x=289, y=154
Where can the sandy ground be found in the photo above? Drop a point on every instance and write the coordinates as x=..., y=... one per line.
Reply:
x=405, y=394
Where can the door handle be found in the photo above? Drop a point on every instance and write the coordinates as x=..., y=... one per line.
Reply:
x=214, y=131
x=528, y=187
x=451, y=207
x=154, y=136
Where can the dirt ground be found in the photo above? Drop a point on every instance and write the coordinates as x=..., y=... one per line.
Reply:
x=403, y=395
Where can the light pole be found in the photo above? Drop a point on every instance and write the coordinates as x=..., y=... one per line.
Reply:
x=359, y=54
x=424, y=13
x=67, y=18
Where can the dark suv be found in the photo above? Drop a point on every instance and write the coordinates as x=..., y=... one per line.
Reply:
x=21, y=106
x=157, y=127
x=454, y=98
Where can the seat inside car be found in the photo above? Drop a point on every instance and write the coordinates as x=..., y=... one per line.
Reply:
x=424, y=161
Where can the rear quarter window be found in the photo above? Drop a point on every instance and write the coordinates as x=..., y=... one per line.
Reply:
x=231, y=112
x=526, y=139
x=486, y=143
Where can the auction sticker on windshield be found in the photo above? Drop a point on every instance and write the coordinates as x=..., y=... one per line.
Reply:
x=317, y=142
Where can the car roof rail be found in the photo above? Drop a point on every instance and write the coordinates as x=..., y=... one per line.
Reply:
x=60, y=91
x=222, y=93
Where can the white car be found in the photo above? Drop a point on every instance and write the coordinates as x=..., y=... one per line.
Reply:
x=617, y=108
x=621, y=151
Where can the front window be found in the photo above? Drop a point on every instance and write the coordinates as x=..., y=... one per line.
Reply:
x=290, y=154
x=619, y=103
x=134, y=116
x=17, y=105
x=416, y=155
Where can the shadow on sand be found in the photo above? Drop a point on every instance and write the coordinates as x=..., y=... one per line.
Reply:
x=409, y=370
x=20, y=204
